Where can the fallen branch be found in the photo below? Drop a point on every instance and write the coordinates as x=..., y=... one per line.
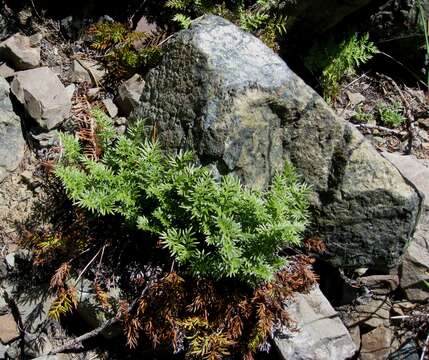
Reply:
x=76, y=344
x=381, y=128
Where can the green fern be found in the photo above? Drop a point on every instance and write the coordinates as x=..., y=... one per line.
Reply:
x=212, y=229
x=334, y=61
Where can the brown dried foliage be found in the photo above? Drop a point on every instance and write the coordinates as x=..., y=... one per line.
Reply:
x=215, y=319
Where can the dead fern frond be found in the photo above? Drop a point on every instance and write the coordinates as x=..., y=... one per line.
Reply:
x=61, y=275
x=102, y=296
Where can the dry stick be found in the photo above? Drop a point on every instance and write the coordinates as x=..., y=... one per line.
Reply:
x=76, y=344
x=381, y=128
x=88, y=265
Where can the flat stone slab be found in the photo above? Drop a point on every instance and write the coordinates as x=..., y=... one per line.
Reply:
x=43, y=95
x=321, y=335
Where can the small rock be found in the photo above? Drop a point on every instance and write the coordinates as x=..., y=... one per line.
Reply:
x=70, y=90
x=18, y=51
x=110, y=107
x=43, y=96
x=88, y=71
x=380, y=284
x=93, y=93
x=321, y=333
x=6, y=71
x=374, y=313
x=355, y=98
x=24, y=15
x=3, y=350
x=415, y=267
x=10, y=260
x=121, y=121
x=8, y=329
x=129, y=93
x=46, y=139
x=13, y=351
x=424, y=123
x=376, y=344
x=35, y=39
x=79, y=73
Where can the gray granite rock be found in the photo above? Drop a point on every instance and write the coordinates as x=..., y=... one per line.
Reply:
x=43, y=95
x=20, y=53
x=224, y=94
x=12, y=143
x=321, y=335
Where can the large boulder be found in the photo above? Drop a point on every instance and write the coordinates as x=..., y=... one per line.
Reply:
x=321, y=335
x=223, y=93
x=12, y=143
x=43, y=95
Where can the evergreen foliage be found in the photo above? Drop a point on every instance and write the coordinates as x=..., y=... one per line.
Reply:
x=334, y=61
x=212, y=229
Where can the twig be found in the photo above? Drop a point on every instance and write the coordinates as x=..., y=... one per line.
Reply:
x=355, y=80
x=381, y=128
x=88, y=265
x=76, y=344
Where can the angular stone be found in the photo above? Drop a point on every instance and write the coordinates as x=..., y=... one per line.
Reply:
x=415, y=265
x=321, y=334
x=222, y=93
x=355, y=98
x=19, y=52
x=8, y=329
x=70, y=90
x=380, y=284
x=12, y=143
x=6, y=71
x=110, y=107
x=376, y=312
x=43, y=96
x=129, y=93
x=414, y=272
x=87, y=70
x=376, y=344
